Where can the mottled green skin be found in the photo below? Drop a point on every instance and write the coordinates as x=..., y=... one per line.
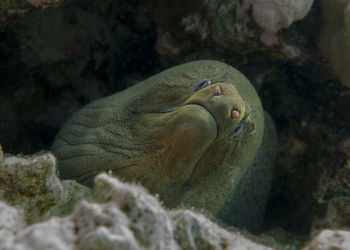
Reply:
x=186, y=155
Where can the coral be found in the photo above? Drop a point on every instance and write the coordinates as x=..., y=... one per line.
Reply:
x=23, y=177
x=194, y=231
x=31, y=183
x=234, y=28
x=335, y=39
x=272, y=15
x=55, y=234
x=11, y=221
x=337, y=216
x=330, y=239
x=119, y=216
x=225, y=23
x=72, y=193
x=121, y=204
x=336, y=186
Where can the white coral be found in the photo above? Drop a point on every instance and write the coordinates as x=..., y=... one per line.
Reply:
x=272, y=15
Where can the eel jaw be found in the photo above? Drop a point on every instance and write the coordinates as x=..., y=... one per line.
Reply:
x=213, y=116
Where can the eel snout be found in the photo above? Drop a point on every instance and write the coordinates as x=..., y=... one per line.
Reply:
x=224, y=103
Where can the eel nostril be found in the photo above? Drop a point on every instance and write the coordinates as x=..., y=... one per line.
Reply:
x=217, y=90
x=235, y=114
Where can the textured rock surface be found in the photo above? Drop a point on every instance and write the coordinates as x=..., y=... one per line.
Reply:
x=335, y=37
x=31, y=183
x=124, y=216
x=330, y=240
x=334, y=193
x=23, y=177
x=337, y=215
x=133, y=214
x=56, y=233
x=229, y=26
x=72, y=193
x=195, y=231
x=121, y=216
x=11, y=221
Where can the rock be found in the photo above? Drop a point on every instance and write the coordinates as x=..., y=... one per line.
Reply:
x=154, y=227
x=119, y=216
x=11, y=221
x=195, y=231
x=130, y=212
x=72, y=193
x=55, y=234
x=335, y=39
x=330, y=239
x=334, y=190
x=182, y=27
x=230, y=27
x=337, y=216
x=31, y=183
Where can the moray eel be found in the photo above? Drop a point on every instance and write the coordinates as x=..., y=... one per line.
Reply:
x=195, y=134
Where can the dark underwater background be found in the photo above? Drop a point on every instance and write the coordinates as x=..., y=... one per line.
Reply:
x=55, y=60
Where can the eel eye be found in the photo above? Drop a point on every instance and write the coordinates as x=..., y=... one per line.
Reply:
x=202, y=84
x=237, y=130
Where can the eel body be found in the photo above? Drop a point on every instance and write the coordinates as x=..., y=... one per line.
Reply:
x=195, y=134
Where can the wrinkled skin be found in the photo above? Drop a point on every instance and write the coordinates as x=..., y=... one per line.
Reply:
x=178, y=142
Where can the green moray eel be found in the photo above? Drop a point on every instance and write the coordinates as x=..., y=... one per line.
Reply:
x=195, y=134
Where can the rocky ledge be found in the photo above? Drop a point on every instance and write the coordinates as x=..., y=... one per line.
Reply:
x=39, y=211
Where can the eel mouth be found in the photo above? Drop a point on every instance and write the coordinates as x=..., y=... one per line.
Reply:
x=203, y=107
x=169, y=110
x=172, y=109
